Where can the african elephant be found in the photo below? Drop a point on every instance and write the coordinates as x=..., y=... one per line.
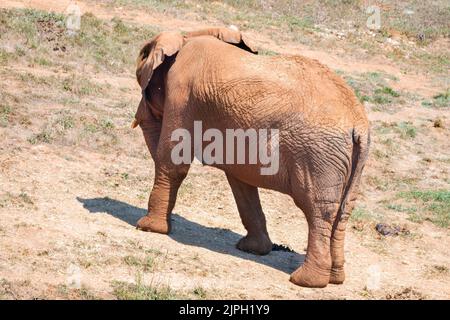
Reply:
x=216, y=77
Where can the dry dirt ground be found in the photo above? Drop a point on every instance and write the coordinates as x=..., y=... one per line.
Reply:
x=74, y=178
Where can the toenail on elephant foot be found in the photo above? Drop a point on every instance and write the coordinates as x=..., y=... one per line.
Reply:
x=256, y=245
x=154, y=224
x=311, y=278
x=337, y=275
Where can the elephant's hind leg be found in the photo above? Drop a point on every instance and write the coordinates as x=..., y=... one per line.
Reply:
x=337, y=239
x=337, y=275
x=320, y=206
x=257, y=240
x=315, y=271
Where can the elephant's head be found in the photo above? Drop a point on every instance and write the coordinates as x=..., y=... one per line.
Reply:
x=156, y=58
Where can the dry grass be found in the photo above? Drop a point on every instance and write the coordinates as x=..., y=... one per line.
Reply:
x=68, y=138
x=328, y=23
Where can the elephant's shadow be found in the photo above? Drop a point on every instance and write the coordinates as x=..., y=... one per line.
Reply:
x=194, y=234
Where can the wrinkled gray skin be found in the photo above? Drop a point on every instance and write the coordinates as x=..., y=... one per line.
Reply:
x=323, y=136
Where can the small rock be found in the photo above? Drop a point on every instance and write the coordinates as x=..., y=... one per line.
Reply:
x=387, y=230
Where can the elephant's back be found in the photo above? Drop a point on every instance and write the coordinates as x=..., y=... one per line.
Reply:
x=264, y=88
x=315, y=91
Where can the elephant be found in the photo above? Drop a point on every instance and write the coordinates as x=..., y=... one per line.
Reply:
x=216, y=76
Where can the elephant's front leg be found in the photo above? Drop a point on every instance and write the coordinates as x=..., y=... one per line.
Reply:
x=257, y=240
x=162, y=200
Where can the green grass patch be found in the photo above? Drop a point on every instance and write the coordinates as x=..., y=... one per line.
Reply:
x=200, y=293
x=361, y=214
x=387, y=91
x=81, y=86
x=43, y=38
x=42, y=61
x=434, y=206
x=140, y=291
x=55, y=129
x=44, y=136
x=5, y=112
x=4, y=57
x=82, y=293
x=372, y=87
x=267, y=52
x=406, y=130
x=146, y=264
x=442, y=100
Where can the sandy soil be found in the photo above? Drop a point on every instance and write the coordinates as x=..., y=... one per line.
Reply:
x=69, y=207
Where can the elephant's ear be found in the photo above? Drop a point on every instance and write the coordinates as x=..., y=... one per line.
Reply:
x=154, y=52
x=232, y=36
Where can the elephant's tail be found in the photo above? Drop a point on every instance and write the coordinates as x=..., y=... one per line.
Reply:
x=361, y=143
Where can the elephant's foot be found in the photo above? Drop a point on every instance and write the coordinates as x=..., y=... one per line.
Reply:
x=154, y=224
x=337, y=275
x=260, y=245
x=309, y=277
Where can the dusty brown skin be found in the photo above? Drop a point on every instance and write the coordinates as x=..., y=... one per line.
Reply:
x=214, y=76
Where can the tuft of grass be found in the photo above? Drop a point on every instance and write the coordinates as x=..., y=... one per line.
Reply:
x=440, y=269
x=400, y=208
x=442, y=100
x=132, y=261
x=4, y=56
x=104, y=125
x=107, y=124
x=387, y=91
x=82, y=293
x=200, y=292
x=372, y=87
x=435, y=62
x=5, y=112
x=139, y=291
x=25, y=198
x=80, y=86
x=119, y=26
x=361, y=214
x=65, y=121
x=44, y=136
x=20, y=200
x=42, y=61
x=380, y=99
x=54, y=129
x=378, y=183
x=146, y=264
x=435, y=206
x=406, y=130
x=362, y=97
x=267, y=52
